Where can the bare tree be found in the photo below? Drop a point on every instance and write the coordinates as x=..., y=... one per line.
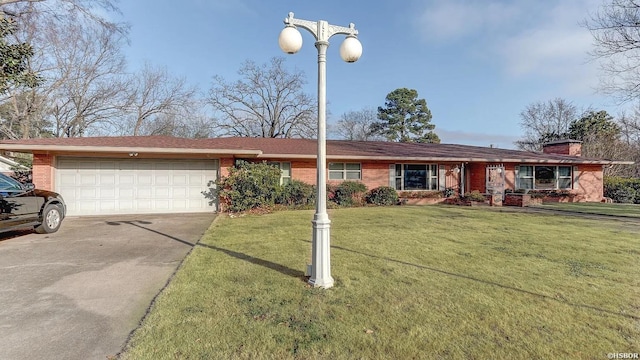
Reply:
x=52, y=28
x=155, y=94
x=89, y=71
x=95, y=11
x=22, y=116
x=630, y=137
x=616, y=36
x=545, y=121
x=267, y=101
x=197, y=126
x=356, y=125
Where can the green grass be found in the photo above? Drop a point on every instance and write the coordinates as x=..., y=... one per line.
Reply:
x=624, y=210
x=430, y=282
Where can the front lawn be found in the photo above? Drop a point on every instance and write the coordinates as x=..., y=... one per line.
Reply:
x=432, y=282
x=609, y=209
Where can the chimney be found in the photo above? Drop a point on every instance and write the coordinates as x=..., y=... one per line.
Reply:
x=563, y=147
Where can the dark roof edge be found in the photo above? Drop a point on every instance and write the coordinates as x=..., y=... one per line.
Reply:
x=563, y=141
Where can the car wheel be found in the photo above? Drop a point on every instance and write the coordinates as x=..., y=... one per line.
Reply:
x=51, y=220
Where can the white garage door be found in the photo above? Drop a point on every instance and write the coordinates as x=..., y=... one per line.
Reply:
x=134, y=186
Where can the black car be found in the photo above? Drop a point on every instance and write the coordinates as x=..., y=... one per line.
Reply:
x=23, y=206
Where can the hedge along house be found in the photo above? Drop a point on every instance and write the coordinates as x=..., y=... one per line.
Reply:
x=156, y=174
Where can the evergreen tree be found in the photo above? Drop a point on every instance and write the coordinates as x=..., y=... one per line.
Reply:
x=405, y=118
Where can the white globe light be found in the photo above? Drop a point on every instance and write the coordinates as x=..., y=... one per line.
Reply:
x=351, y=49
x=290, y=40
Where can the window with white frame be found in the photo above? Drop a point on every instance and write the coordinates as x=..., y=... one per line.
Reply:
x=285, y=171
x=544, y=177
x=416, y=177
x=345, y=171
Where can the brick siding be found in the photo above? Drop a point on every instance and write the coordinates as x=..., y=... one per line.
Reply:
x=43, y=171
x=375, y=174
x=565, y=148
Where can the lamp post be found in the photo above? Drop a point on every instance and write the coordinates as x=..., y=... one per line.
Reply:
x=290, y=41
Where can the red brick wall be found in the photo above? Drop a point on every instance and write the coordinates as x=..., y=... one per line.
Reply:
x=376, y=173
x=568, y=148
x=304, y=170
x=510, y=176
x=589, y=186
x=225, y=164
x=43, y=171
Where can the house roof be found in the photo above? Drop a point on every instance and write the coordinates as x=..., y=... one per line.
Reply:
x=290, y=149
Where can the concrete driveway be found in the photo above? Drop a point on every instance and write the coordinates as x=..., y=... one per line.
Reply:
x=78, y=293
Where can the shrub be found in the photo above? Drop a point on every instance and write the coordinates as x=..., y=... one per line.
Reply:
x=622, y=190
x=536, y=194
x=297, y=194
x=421, y=194
x=249, y=186
x=475, y=195
x=449, y=192
x=348, y=193
x=382, y=196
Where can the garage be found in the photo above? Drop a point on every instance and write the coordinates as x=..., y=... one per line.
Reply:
x=92, y=186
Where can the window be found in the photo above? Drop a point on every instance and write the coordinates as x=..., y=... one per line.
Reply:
x=544, y=177
x=345, y=171
x=8, y=184
x=564, y=177
x=285, y=171
x=416, y=177
x=526, y=177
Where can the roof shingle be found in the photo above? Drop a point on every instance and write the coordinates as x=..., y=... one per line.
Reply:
x=294, y=148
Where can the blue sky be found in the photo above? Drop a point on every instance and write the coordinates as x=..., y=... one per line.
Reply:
x=478, y=64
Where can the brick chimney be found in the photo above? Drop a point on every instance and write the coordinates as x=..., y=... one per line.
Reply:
x=563, y=147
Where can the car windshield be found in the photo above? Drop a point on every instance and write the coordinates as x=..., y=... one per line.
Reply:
x=8, y=184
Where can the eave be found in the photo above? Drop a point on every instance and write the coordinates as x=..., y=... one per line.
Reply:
x=62, y=149
x=449, y=159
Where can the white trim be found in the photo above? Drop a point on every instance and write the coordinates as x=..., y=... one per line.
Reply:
x=344, y=171
x=392, y=175
x=518, y=181
x=446, y=159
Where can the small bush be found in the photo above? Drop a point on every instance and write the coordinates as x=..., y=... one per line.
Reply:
x=536, y=194
x=622, y=190
x=475, y=195
x=449, y=192
x=348, y=193
x=297, y=194
x=421, y=194
x=382, y=196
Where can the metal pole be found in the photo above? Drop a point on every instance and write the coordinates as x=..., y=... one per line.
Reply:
x=321, y=258
x=320, y=248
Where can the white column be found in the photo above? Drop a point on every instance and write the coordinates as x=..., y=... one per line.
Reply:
x=321, y=259
x=290, y=42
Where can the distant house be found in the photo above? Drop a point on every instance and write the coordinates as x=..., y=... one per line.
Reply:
x=8, y=165
x=155, y=174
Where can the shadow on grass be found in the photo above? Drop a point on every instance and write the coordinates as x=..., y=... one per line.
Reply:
x=582, y=213
x=265, y=263
x=268, y=264
x=462, y=276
